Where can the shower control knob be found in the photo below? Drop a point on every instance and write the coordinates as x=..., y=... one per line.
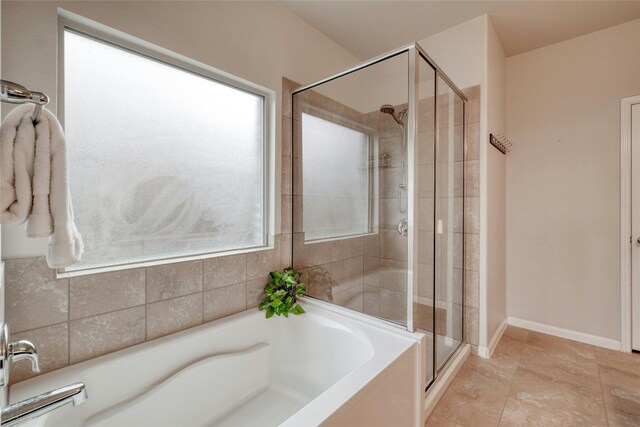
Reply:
x=638, y=240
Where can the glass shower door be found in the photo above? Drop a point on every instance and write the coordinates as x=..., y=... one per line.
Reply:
x=449, y=225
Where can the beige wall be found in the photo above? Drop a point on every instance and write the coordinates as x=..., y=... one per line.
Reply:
x=495, y=187
x=563, y=115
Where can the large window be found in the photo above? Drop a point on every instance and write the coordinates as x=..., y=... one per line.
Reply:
x=164, y=162
x=335, y=167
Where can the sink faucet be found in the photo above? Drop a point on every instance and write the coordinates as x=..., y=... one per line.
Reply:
x=37, y=406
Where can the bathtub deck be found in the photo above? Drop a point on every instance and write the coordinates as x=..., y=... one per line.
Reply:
x=268, y=408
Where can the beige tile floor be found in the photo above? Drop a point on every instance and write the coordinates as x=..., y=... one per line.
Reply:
x=535, y=379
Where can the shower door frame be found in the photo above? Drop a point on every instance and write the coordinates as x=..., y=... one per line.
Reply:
x=415, y=54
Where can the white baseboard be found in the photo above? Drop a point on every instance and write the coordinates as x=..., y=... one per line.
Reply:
x=565, y=333
x=437, y=389
x=487, y=352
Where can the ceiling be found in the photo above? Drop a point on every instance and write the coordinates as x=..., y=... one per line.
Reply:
x=368, y=28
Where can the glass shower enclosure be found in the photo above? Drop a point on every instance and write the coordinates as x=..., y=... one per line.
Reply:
x=378, y=195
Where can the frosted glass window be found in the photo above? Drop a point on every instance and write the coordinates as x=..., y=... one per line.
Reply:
x=335, y=169
x=163, y=162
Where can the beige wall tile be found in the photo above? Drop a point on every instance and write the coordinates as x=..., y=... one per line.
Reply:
x=285, y=214
x=33, y=297
x=52, y=343
x=177, y=314
x=173, y=280
x=224, y=271
x=472, y=215
x=393, y=305
x=471, y=288
x=101, y=293
x=393, y=245
x=472, y=252
x=371, y=300
x=472, y=112
x=286, y=240
x=287, y=87
x=260, y=264
x=225, y=301
x=393, y=275
x=471, y=325
x=352, y=298
x=319, y=253
x=286, y=148
x=255, y=292
x=472, y=179
x=94, y=336
x=472, y=135
x=286, y=182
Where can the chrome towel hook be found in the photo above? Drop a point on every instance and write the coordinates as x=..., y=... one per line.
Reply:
x=17, y=94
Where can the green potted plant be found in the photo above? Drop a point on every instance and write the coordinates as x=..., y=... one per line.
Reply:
x=282, y=292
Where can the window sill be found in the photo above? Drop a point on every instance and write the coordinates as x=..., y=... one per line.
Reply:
x=143, y=264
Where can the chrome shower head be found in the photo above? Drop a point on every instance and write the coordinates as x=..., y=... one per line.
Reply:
x=389, y=109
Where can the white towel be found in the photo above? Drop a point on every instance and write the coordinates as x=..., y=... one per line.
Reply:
x=34, y=184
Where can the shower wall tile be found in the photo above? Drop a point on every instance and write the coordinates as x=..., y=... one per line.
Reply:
x=287, y=164
x=472, y=140
x=393, y=305
x=471, y=288
x=53, y=349
x=371, y=300
x=472, y=112
x=102, y=293
x=352, y=298
x=285, y=250
x=471, y=325
x=224, y=271
x=286, y=149
x=288, y=86
x=472, y=179
x=94, y=336
x=177, y=314
x=174, y=280
x=472, y=215
x=34, y=298
x=472, y=252
x=286, y=207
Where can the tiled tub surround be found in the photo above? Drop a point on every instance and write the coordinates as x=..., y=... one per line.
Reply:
x=71, y=320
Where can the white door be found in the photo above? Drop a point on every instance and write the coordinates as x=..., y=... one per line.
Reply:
x=635, y=226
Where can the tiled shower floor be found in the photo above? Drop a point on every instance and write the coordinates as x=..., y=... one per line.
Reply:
x=535, y=379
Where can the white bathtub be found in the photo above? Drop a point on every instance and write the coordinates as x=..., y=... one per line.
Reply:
x=325, y=367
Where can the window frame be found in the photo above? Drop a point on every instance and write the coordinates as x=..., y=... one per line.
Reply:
x=68, y=21
x=372, y=156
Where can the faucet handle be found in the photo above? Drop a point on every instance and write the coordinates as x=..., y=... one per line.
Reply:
x=24, y=349
x=15, y=351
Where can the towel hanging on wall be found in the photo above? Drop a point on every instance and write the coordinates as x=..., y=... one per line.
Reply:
x=34, y=184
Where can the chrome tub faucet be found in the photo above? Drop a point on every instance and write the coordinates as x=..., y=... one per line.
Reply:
x=36, y=406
